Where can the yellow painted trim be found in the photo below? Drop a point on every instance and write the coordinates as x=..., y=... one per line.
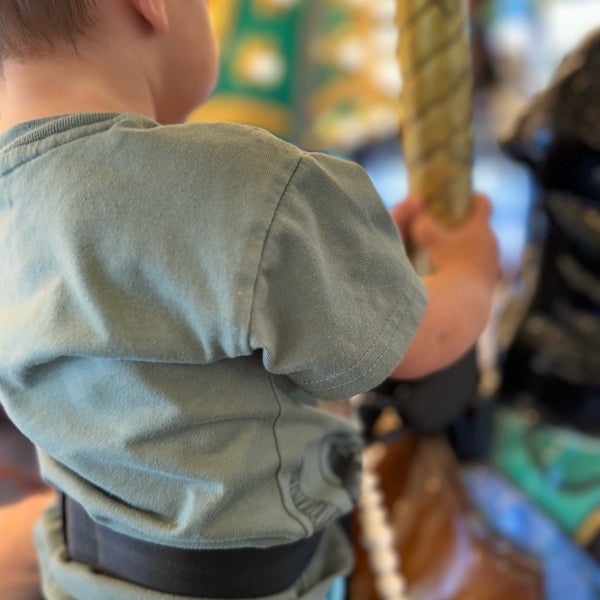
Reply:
x=222, y=14
x=240, y=109
x=589, y=528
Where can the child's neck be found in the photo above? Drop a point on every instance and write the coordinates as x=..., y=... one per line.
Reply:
x=42, y=88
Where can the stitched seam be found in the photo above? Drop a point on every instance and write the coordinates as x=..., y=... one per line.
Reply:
x=264, y=245
x=372, y=365
x=393, y=312
x=26, y=157
x=279, y=458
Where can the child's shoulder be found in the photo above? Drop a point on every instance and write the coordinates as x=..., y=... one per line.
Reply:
x=224, y=142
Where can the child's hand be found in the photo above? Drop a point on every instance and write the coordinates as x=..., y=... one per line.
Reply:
x=470, y=247
x=465, y=267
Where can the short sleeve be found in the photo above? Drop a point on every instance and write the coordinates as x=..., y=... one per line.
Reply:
x=336, y=301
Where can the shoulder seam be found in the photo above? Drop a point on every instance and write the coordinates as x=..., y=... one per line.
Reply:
x=264, y=244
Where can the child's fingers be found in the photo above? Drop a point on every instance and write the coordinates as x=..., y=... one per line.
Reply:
x=482, y=206
x=404, y=212
x=429, y=228
x=424, y=230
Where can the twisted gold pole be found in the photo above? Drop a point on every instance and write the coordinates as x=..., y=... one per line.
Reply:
x=435, y=62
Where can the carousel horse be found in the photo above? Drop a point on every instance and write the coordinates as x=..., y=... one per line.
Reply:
x=548, y=440
x=555, y=357
x=443, y=548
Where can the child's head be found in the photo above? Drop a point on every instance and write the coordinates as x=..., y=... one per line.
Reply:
x=171, y=40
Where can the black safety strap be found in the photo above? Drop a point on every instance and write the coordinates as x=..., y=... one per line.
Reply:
x=229, y=573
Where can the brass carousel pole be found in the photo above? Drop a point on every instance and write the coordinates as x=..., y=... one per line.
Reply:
x=435, y=62
x=437, y=86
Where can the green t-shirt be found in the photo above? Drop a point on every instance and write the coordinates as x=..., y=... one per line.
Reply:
x=176, y=305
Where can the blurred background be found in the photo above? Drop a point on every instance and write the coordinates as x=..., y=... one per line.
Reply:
x=323, y=74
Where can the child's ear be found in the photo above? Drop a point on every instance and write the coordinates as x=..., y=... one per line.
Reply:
x=154, y=13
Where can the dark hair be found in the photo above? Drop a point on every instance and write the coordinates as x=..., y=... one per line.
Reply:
x=30, y=28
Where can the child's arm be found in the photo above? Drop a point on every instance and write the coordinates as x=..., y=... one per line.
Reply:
x=465, y=270
x=19, y=577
